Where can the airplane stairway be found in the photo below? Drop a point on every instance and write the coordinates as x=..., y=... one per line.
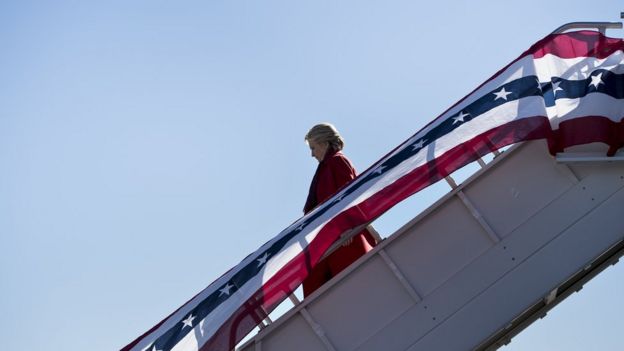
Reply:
x=476, y=267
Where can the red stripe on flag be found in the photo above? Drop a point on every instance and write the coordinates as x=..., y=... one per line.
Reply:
x=283, y=283
x=585, y=130
x=566, y=45
x=576, y=44
x=457, y=157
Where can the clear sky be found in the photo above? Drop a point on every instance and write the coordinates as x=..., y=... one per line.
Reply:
x=148, y=146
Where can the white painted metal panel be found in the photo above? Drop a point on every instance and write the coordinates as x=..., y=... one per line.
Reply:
x=366, y=300
x=438, y=246
x=530, y=281
x=294, y=335
x=517, y=188
x=465, y=268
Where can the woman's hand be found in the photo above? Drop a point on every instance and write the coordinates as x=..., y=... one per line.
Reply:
x=347, y=242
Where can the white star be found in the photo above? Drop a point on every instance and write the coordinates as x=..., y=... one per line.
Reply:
x=262, y=260
x=226, y=289
x=539, y=85
x=502, y=94
x=419, y=144
x=556, y=87
x=596, y=80
x=460, y=118
x=379, y=170
x=155, y=349
x=188, y=321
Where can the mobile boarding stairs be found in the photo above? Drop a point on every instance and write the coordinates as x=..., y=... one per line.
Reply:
x=478, y=266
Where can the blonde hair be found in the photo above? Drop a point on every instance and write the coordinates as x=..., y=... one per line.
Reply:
x=325, y=133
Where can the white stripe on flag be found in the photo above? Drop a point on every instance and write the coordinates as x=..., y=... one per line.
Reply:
x=498, y=116
x=578, y=68
x=591, y=105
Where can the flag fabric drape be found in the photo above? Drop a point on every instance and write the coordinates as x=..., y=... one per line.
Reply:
x=567, y=89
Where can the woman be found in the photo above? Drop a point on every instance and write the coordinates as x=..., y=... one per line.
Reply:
x=333, y=172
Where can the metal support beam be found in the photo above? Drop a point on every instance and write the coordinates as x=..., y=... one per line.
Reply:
x=481, y=162
x=540, y=309
x=294, y=299
x=477, y=215
x=451, y=181
x=565, y=169
x=568, y=157
x=399, y=275
x=318, y=330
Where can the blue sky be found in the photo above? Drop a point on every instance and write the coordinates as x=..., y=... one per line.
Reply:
x=147, y=146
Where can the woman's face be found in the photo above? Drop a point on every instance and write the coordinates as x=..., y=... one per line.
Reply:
x=318, y=150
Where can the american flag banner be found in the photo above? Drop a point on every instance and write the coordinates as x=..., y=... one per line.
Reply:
x=567, y=89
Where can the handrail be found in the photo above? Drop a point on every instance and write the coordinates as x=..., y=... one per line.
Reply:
x=601, y=26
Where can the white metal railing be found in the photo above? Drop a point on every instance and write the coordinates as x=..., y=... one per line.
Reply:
x=600, y=26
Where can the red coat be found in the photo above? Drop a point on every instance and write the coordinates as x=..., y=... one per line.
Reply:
x=333, y=172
